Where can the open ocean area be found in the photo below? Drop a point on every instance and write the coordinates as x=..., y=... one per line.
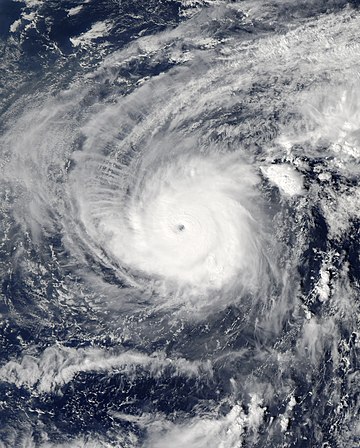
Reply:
x=179, y=224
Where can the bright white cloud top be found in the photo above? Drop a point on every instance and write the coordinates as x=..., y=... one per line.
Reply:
x=183, y=214
x=188, y=221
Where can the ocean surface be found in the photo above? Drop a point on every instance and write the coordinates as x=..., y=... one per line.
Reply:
x=179, y=224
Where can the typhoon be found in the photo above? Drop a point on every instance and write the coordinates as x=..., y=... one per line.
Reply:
x=187, y=220
x=180, y=211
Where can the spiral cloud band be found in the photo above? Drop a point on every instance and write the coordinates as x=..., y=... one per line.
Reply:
x=186, y=222
x=180, y=213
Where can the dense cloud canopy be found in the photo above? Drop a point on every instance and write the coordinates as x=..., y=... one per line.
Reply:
x=180, y=211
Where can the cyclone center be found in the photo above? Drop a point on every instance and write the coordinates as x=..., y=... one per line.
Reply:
x=180, y=228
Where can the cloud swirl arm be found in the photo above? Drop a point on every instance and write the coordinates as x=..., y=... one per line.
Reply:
x=179, y=218
x=189, y=221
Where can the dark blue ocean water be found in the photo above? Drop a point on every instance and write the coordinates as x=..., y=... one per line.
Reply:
x=55, y=314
